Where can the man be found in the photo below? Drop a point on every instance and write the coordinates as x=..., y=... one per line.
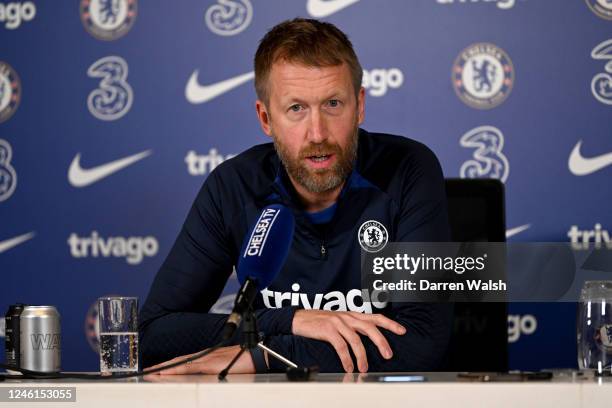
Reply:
x=334, y=177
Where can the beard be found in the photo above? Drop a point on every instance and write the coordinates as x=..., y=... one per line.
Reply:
x=319, y=180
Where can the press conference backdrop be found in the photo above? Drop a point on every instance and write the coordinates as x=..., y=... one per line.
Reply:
x=113, y=113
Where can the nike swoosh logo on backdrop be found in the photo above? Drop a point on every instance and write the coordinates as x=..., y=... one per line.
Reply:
x=323, y=8
x=582, y=166
x=13, y=242
x=196, y=93
x=79, y=177
x=516, y=230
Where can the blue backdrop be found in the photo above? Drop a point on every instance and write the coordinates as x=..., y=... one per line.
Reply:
x=113, y=112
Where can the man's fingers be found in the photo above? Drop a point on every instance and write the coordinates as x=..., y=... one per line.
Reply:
x=191, y=367
x=352, y=338
x=382, y=321
x=187, y=368
x=338, y=343
x=156, y=366
x=371, y=330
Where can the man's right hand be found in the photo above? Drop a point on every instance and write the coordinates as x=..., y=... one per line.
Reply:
x=342, y=329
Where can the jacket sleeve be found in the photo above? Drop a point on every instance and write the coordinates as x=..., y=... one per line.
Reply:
x=174, y=319
x=423, y=218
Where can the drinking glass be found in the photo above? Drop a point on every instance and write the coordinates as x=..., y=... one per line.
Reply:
x=118, y=318
x=594, y=327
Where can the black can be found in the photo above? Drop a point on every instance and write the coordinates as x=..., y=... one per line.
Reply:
x=12, y=329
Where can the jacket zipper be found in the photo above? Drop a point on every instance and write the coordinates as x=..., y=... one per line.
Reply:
x=324, y=249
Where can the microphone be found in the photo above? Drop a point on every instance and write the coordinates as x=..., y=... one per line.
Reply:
x=262, y=256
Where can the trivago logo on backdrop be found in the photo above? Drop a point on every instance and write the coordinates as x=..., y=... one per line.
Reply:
x=132, y=249
x=521, y=325
x=377, y=81
x=201, y=164
x=582, y=238
x=14, y=13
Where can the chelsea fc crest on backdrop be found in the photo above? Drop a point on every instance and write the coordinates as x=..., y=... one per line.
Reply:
x=10, y=91
x=373, y=236
x=108, y=19
x=483, y=75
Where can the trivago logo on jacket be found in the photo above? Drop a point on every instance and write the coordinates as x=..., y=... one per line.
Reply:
x=355, y=300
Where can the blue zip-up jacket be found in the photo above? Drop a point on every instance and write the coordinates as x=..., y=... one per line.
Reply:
x=395, y=181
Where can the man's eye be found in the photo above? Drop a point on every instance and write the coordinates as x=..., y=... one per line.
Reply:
x=333, y=103
x=295, y=108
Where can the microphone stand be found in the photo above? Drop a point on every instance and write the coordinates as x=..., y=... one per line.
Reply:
x=250, y=340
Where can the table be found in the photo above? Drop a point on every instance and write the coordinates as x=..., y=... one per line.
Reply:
x=273, y=390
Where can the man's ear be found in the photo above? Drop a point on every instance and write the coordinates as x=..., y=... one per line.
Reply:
x=264, y=117
x=361, y=106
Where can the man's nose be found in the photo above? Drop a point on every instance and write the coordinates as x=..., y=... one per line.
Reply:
x=317, y=132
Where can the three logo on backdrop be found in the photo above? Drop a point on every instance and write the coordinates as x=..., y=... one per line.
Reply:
x=488, y=160
x=229, y=17
x=601, y=84
x=113, y=98
x=8, y=176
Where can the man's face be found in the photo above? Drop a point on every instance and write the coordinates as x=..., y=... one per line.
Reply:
x=313, y=117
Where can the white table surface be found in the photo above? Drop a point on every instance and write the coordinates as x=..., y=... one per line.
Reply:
x=328, y=390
